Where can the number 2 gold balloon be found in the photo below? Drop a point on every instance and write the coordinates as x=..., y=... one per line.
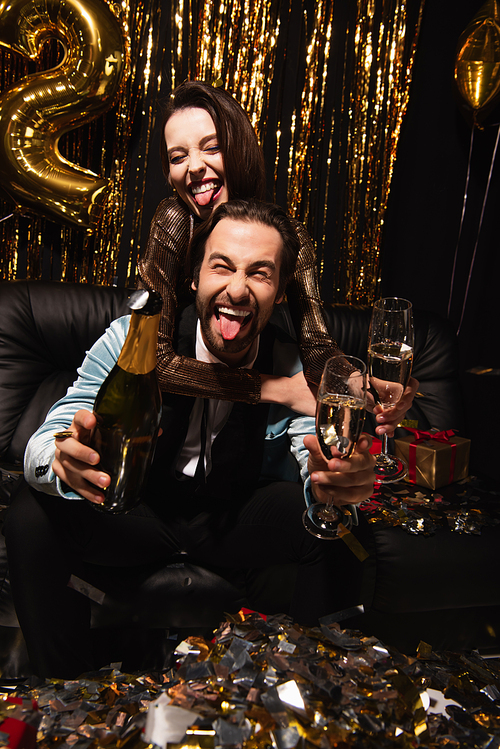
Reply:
x=39, y=108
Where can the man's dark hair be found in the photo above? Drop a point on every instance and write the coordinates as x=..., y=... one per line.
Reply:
x=252, y=212
x=241, y=153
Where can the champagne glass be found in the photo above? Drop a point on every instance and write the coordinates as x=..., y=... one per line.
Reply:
x=340, y=414
x=390, y=357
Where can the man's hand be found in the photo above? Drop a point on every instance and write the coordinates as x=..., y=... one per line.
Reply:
x=347, y=480
x=389, y=418
x=74, y=460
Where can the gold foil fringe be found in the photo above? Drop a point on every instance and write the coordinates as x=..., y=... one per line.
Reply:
x=384, y=51
x=278, y=59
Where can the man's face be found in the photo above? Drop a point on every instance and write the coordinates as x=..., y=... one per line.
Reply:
x=237, y=286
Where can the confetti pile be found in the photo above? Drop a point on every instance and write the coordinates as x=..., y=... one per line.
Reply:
x=271, y=683
x=464, y=507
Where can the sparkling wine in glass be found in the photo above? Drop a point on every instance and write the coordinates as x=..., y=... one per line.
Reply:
x=390, y=358
x=340, y=414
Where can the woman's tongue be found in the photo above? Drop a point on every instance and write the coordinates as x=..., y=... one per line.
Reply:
x=230, y=325
x=206, y=197
x=203, y=198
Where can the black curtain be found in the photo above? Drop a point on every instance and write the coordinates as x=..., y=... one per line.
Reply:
x=421, y=238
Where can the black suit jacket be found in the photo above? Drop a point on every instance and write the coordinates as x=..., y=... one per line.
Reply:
x=237, y=450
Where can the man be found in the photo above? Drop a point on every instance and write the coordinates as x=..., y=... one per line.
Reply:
x=242, y=510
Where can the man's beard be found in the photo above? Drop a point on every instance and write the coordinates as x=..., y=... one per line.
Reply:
x=215, y=340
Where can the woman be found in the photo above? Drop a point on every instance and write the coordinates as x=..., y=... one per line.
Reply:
x=210, y=154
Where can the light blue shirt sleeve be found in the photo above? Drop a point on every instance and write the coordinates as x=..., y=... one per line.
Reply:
x=285, y=457
x=40, y=450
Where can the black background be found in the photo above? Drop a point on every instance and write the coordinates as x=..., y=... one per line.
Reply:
x=421, y=236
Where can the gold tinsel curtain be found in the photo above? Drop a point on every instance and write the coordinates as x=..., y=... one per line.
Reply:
x=326, y=85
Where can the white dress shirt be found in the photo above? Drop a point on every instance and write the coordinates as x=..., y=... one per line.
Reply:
x=218, y=413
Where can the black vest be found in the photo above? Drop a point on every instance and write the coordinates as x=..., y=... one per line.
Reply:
x=236, y=452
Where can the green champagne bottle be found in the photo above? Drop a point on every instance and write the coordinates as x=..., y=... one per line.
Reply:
x=128, y=409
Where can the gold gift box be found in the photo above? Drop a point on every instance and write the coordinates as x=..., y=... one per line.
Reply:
x=432, y=464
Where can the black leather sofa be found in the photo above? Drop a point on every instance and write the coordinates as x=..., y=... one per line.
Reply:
x=408, y=585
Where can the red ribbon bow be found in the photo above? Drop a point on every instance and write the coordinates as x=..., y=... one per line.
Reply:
x=421, y=436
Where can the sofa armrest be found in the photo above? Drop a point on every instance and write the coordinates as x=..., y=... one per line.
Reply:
x=45, y=330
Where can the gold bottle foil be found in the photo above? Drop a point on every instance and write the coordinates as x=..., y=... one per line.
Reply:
x=138, y=355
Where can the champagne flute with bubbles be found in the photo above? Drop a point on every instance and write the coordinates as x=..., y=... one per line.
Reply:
x=390, y=358
x=340, y=414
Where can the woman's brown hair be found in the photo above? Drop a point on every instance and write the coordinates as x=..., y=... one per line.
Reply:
x=241, y=153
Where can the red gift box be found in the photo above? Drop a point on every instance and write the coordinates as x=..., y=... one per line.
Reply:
x=435, y=458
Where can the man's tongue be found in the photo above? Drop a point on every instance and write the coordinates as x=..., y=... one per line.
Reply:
x=230, y=325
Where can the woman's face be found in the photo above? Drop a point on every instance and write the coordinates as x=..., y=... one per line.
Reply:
x=195, y=160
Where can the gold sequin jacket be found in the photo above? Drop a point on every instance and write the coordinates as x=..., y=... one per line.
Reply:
x=162, y=268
